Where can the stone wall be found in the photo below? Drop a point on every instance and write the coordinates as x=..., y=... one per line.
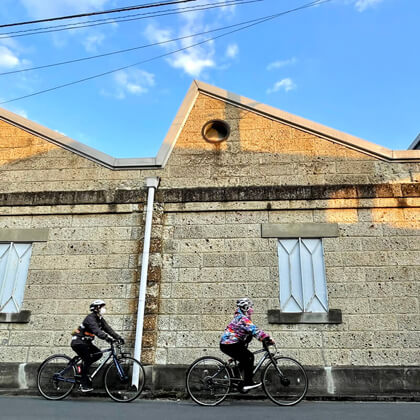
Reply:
x=32, y=164
x=207, y=247
x=92, y=252
x=214, y=253
x=262, y=151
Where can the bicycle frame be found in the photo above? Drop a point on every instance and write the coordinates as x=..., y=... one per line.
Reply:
x=112, y=355
x=267, y=355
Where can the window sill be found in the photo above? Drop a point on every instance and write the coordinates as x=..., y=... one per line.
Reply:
x=333, y=316
x=19, y=317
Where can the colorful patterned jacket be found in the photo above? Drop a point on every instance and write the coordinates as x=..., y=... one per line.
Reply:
x=241, y=330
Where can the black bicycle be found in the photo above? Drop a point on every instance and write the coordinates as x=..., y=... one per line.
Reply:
x=209, y=379
x=58, y=375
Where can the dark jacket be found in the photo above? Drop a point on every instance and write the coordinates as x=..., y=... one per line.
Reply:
x=94, y=325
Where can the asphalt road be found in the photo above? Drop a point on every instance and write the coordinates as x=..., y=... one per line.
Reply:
x=32, y=407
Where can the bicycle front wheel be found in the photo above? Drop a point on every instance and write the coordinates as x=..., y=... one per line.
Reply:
x=120, y=379
x=208, y=381
x=285, y=381
x=55, y=379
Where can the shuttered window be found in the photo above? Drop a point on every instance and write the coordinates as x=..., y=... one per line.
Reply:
x=14, y=265
x=302, y=275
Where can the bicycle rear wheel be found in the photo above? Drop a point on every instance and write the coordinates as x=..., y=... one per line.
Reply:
x=119, y=380
x=55, y=379
x=208, y=381
x=285, y=381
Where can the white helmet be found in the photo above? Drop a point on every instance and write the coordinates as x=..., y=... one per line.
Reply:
x=244, y=304
x=96, y=305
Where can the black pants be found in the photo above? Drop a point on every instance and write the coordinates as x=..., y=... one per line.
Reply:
x=86, y=350
x=239, y=352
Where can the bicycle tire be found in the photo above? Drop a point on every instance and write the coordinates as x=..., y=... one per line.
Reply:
x=200, y=384
x=122, y=390
x=287, y=388
x=48, y=383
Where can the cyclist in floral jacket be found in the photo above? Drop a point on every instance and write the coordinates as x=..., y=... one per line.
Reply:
x=237, y=335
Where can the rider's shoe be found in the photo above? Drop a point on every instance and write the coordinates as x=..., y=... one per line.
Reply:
x=250, y=386
x=86, y=385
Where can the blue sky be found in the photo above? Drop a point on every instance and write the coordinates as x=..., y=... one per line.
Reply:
x=352, y=65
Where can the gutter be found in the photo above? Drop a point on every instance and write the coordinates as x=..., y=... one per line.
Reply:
x=151, y=183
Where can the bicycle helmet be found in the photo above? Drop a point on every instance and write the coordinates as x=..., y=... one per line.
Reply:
x=96, y=305
x=244, y=304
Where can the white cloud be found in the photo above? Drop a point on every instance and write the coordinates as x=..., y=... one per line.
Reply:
x=49, y=8
x=155, y=34
x=91, y=42
x=61, y=133
x=192, y=61
x=20, y=112
x=41, y=9
x=228, y=9
x=8, y=59
x=134, y=82
x=287, y=84
x=232, y=50
x=362, y=5
x=281, y=63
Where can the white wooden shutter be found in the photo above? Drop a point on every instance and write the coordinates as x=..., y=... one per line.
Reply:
x=302, y=280
x=14, y=265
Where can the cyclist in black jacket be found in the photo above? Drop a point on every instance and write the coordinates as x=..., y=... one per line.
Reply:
x=82, y=342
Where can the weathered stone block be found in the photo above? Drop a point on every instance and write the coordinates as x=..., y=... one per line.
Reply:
x=224, y=260
x=373, y=322
x=394, y=305
x=262, y=259
x=187, y=260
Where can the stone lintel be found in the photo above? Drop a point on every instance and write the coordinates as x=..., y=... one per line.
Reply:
x=51, y=198
x=299, y=230
x=213, y=194
x=24, y=235
x=333, y=316
x=19, y=317
x=287, y=193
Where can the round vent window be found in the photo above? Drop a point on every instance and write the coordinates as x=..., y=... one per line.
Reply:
x=216, y=131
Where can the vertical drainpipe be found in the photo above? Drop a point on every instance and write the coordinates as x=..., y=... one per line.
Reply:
x=151, y=184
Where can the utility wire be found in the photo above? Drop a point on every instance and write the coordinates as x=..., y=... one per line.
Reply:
x=128, y=18
x=77, y=60
x=256, y=22
x=119, y=10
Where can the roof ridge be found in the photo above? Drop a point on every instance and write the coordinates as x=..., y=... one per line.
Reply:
x=184, y=110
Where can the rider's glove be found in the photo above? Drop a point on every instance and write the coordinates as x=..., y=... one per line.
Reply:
x=268, y=341
x=121, y=340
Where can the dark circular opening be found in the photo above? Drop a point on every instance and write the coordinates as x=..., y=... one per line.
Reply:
x=216, y=131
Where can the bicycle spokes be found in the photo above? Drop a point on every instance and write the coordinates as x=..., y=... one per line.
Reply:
x=55, y=378
x=124, y=379
x=285, y=381
x=208, y=381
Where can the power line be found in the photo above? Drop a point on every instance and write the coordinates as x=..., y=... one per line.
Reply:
x=118, y=10
x=128, y=18
x=256, y=22
x=77, y=60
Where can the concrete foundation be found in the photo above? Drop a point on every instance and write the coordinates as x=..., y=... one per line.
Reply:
x=351, y=382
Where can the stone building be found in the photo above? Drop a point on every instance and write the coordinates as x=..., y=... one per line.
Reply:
x=319, y=228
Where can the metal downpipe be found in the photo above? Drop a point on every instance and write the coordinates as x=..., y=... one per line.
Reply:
x=151, y=184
